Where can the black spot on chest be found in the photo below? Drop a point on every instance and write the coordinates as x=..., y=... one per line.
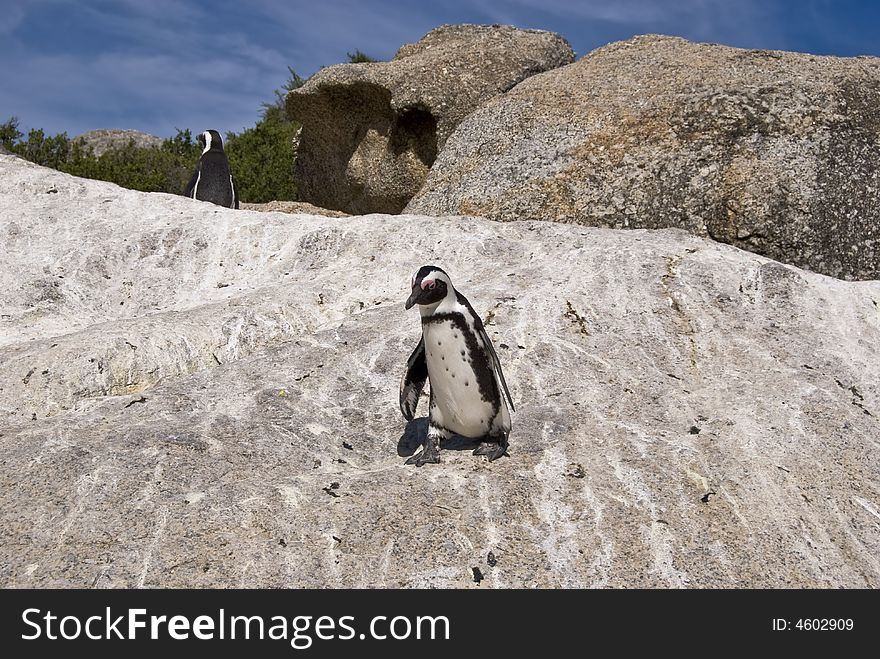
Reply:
x=475, y=354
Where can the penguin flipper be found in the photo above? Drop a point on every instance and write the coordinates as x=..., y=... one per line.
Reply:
x=490, y=349
x=496, y=364
x=413, y=381
x=191, y=186
x=234, y=192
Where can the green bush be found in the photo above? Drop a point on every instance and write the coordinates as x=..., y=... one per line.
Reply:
x=149, y=169
x=9, y=133
x=39, y=148
x=261, y=158
x=357, y=57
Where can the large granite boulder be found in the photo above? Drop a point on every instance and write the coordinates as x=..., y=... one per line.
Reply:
x=195, y=396
x=104, y=139
x=371, y=131
x=774, y=152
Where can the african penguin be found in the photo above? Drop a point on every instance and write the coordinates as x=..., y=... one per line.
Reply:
x=212, y=181
x=455, y=354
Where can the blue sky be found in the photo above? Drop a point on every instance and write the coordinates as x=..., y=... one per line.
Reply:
x=158, y=65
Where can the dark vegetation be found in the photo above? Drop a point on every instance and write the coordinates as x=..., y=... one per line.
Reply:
x=163, y=169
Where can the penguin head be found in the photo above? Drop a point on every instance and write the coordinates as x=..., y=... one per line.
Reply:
x=210, y=139
x=429, y=286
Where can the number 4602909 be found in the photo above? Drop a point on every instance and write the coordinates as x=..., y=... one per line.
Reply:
x=824, y=624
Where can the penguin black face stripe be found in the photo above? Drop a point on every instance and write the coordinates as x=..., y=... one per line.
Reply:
x=457, y=357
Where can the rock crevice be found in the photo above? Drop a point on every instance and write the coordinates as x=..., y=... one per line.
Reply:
x=371, y=131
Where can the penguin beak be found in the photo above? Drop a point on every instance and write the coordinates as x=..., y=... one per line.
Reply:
x=414, y=297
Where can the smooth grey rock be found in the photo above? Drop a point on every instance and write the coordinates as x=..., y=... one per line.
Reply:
x=688, y=414
x=104, y=139
x=371, y=131
x=774, y=152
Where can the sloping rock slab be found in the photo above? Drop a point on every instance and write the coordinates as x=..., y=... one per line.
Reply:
x=688, y=414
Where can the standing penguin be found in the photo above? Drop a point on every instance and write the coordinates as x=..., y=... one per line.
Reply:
x=466, y=379
x=212, y=180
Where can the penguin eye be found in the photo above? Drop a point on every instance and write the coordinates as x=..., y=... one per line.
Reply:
x=432, y=285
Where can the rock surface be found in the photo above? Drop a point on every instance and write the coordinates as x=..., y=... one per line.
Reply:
x=774, y=152
x=293, y=207
x=371, y=131
x=209, y=398
x=104, y=139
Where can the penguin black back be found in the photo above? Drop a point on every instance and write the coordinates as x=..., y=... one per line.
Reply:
x=212, y=180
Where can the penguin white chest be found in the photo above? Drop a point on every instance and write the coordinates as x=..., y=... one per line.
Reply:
x=457, y=402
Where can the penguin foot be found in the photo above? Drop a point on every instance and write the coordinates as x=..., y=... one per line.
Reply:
x=429, y=455
x=492, y=450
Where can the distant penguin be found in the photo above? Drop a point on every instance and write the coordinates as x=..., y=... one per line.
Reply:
x=455, y=354
x=212, y=181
